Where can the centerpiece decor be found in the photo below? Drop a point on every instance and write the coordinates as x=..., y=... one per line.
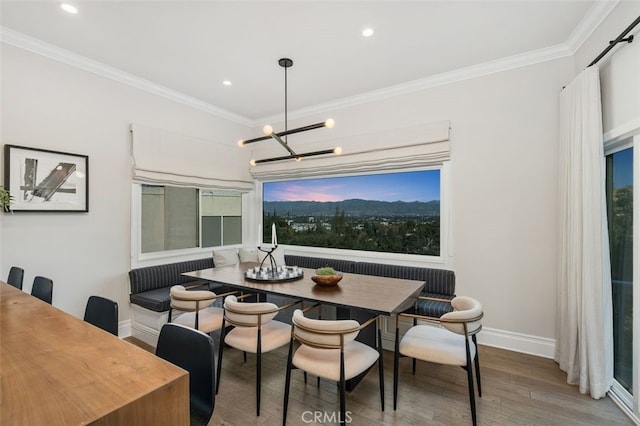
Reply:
x=272, y=272
x=326, y=276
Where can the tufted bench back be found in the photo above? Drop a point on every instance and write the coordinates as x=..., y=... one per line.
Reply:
x=150, y=285
x=153, y=277
x=439, y=281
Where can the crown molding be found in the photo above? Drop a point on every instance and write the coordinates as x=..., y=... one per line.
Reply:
x=592, y=20
x=50, y=51
x=467, y=73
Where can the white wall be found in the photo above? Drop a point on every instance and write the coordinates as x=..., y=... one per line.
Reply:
x=47, y=104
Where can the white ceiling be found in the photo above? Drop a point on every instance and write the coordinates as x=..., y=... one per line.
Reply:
x=192, y=46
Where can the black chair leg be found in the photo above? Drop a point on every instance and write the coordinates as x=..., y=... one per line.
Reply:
x=472, y=394
x=342, y=385
x=380, y=368
x=305, y=377
x=219, y=366
x=244, y=357
x=287, y=384
x=258, y=373
x=477, y=362
x=413, y=366
x=396, y=355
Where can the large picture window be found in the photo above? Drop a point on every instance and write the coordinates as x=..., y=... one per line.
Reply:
x=175, y=218
x=384, y=212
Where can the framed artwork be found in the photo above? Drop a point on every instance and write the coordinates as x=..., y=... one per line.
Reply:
x=41, y=180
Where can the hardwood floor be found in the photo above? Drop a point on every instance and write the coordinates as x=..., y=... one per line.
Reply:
x=517, y=389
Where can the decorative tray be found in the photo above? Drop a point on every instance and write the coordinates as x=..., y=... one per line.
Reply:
x=268, y=274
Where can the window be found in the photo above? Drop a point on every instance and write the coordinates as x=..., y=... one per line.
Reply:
x=620, y=215
x=622, y=183
x=384, y=212
x=221, y=218
x=176, y=218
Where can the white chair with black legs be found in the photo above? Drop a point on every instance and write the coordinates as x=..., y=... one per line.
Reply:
x=254, y=331
x=195, y=310
x=451, y=341
x=328, y=349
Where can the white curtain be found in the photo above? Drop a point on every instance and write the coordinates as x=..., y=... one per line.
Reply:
x=584, y=330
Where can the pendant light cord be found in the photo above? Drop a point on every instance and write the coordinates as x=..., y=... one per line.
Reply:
x=285, y=103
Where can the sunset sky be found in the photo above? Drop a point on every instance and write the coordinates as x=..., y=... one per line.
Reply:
x=408, y=186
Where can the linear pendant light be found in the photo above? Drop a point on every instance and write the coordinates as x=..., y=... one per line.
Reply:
x=270, y=134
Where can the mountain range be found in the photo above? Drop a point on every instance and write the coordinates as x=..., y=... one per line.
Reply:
x=353, y=207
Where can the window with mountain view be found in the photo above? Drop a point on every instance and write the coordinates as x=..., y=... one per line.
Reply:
x=387, y=212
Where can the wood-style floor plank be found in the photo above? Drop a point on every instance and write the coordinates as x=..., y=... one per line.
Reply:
x=517, y=389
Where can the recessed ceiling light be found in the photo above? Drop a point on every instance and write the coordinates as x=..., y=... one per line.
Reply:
x=69, y=8
x=367, y=32
x=226, y=82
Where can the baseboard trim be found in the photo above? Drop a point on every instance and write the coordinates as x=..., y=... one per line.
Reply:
x=518, y=342
x=124, y=328
x=145, y=333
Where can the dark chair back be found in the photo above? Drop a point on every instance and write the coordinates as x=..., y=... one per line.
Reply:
x=193, y=351
x=42, y=289
x=16, y=276
x=102, y=313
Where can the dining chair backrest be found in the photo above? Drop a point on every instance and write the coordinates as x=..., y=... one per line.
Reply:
x=467, y=313
x=193, y=351
x=249, y=314
x=324, y=332
x=190, y=300
x=43, y=289
x=16, y=276
x=102, y=313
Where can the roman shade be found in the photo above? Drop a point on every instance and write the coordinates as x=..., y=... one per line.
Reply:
x=166, y=158
x=417, y=146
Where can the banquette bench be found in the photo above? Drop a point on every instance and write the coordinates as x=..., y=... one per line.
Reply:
x=150, y=285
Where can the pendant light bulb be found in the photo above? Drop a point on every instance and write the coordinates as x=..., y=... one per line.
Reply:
x=253, y=163
x=267, y=130
x=337, y=150
x=329, y=123
x=240, y=143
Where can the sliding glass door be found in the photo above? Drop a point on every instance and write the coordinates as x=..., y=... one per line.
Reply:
x=621, y=186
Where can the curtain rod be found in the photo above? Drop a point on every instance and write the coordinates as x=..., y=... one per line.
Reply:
x=621, y=38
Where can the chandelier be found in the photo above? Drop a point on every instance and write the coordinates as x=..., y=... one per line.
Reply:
x=278, y=136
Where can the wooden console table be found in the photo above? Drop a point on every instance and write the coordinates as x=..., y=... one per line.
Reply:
x=56, y=369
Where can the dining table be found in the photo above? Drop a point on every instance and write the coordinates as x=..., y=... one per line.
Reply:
x=56, y=369
x=373, y=294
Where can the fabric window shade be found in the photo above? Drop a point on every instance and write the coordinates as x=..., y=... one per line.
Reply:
x=165, y=158
x=418, y=146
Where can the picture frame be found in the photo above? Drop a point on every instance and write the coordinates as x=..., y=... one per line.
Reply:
x=42, y=180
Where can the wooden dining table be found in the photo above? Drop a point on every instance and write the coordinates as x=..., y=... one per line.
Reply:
x=373, y=294
x=56, y=369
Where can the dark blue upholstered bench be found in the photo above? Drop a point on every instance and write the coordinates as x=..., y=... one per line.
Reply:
x=150, y=285
x=439, y=283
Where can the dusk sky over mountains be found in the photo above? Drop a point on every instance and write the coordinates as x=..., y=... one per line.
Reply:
x=408, y=186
